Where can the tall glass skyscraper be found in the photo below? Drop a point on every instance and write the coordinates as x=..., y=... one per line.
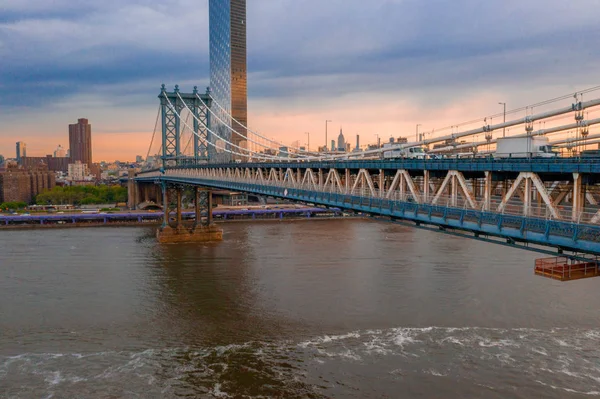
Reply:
x=228, y=80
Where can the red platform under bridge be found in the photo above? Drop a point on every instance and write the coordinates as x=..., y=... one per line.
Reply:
x=565, y=269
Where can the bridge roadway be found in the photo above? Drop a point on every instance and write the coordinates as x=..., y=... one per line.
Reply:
x=535, y=165
x=480, y=198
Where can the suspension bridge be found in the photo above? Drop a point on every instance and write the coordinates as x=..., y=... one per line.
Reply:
x=549, y=204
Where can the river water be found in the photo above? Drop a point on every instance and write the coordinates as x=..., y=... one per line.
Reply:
x=307, y=309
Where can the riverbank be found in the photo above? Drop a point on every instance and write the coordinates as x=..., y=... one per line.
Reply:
x=157, y=223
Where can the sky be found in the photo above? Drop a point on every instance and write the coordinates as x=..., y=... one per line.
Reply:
x=376, y=68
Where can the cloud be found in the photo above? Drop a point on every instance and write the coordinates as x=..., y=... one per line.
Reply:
x=305, y=54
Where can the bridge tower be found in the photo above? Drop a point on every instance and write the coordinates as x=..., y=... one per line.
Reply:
x=172, y=104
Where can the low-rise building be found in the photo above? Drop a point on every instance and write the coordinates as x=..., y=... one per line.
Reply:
x=78, y=171
x=55, y=164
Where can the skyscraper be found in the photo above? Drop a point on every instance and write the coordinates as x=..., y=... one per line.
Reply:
x=80, y=142
x=341, y=142
x=21, y=150
x=228, y=80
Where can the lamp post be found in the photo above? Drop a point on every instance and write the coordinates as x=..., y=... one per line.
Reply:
x=308, y=143
x=504, y=120
x=417, y=133
x=326, y=144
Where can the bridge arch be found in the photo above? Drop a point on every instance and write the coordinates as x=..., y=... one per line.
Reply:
x=149, y=206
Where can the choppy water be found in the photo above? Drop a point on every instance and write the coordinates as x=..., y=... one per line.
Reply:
x=342, y=308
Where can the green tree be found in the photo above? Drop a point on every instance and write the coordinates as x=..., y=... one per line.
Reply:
x=13, y=205
x=86, y=195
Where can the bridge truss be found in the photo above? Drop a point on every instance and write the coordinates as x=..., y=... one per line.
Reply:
x=552, y=203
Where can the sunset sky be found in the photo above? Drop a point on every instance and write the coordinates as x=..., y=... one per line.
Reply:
x=372, y=67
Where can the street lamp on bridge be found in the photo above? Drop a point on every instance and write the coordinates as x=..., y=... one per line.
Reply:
x=326, y=144
x=504, y=121
x=417, y=133
x=308, y=143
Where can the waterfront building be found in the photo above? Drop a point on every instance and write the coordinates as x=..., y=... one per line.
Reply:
x=80, y=142
x=21, y=150
x=228, y=76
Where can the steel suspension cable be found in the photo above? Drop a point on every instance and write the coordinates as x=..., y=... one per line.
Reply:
x=154, y=132
x=253, y=132
x=223, y=139
x=240, y=134
x=208, y=142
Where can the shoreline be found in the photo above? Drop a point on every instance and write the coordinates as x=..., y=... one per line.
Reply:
x=155, y=224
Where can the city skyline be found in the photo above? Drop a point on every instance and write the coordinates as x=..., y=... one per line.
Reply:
x=408, y=63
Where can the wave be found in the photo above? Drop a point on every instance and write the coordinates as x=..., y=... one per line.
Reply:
x=564, y=359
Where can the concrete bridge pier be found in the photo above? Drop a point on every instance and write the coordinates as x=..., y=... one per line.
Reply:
x=203, y=229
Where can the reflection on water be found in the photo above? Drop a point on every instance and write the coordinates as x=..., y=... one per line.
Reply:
x=341, y=308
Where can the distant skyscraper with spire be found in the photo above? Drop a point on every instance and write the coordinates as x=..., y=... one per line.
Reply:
x=341, y=144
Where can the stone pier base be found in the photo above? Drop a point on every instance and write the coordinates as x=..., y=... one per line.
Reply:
x=169, y=235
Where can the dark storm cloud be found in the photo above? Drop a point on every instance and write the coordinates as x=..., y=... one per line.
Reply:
x=309, y=47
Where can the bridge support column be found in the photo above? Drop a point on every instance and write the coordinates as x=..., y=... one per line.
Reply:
x=578, y=197
x=426, y=186
x=487, y=194
x=347, y=181
x=197, y=210
x=165, y=201
x=527, y=198
x=179, y=218
x=203, y=229
x=159, y=197
x=454, y=194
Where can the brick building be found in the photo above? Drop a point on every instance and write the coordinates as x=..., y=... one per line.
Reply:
x=54, y=164
x=23, y=185
x=80, y=142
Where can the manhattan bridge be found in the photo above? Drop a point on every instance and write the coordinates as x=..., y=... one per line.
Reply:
x=547, y=204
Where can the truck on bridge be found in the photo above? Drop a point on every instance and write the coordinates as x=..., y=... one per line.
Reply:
x=398, y=152
x=524, y=147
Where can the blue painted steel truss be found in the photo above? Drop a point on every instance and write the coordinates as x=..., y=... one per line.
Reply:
x=558, y=234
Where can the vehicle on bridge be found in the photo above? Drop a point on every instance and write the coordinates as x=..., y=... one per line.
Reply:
x=410, y=153
x=524, y=147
